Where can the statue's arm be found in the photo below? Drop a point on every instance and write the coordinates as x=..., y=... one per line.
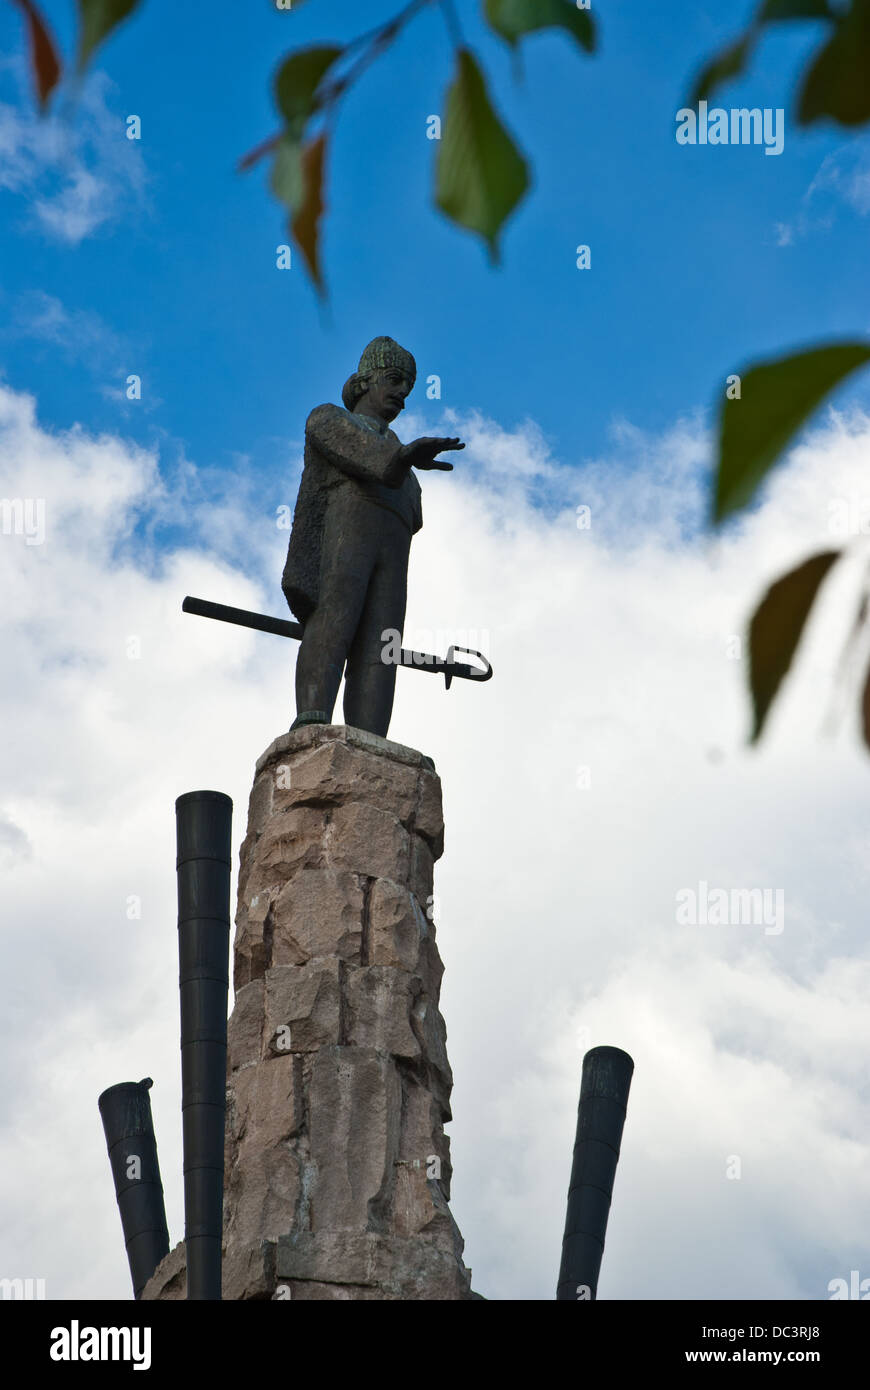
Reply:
x=359, y=452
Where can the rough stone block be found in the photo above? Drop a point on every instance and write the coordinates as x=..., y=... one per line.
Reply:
x=421, y=872
x=303, y=1007
x=380, y=1000
x=397, y=925
x=368, y=840
x=422, y=1133
x=259, y=806
x=264, y=1103
x=168, y=1283
x=429, y=821
x=431, y=1033
x=419, y=1205
x=318, y=913
x=291, y=841
x=425, y=1267
x=337, y=773
x=252, y=949
x=248, y=1271
x=355, y=1113
x=261, y=1194
x=245, y=1027
x=309, y=1291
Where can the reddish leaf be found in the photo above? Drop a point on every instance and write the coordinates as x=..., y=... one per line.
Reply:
x=305, y=222
x=775, y=631
x=43, y=53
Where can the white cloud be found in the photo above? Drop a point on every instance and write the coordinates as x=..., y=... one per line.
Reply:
x=845, y=174
x=843, y=177
x=76, y=169
x=80, y=334
x=557, y=903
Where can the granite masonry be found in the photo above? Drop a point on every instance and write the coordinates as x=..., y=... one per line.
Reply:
x=337, y=1168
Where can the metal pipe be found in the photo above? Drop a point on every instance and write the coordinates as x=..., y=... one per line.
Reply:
x=604, y=1088
x=125, y=1110
x=204, y=828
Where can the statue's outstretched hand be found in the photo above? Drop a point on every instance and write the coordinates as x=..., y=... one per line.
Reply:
x=421, y=453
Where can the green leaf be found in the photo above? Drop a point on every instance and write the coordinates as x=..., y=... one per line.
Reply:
x=481, y=175
x=514, y=18
x=776, y=398
x=44, y=61
x=297, y=81
x=729, y=63
x=286, y=178
x=837, y=86
x=775, y=630
x=97, y=19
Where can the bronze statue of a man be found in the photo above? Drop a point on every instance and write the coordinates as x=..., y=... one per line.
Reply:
x=347, y=563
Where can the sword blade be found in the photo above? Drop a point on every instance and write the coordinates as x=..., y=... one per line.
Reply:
x=280, y=627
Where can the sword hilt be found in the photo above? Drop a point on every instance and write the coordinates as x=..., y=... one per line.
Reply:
x=461, y=668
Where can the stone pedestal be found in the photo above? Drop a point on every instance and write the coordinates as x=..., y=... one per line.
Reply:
x=337, y=1169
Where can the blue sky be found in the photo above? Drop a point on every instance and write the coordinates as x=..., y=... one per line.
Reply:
x=687, y=283
x=616, y=649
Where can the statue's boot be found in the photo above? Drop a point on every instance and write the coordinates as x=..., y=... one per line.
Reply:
x=309, y=716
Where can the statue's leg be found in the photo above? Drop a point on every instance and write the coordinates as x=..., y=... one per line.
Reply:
x=349, y=554
x=370, y=681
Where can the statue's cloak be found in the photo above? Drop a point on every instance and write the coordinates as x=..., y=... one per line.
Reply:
x=348, y=458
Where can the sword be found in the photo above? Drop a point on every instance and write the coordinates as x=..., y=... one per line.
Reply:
x=417, y=661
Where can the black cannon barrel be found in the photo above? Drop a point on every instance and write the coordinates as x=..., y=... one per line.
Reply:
x=204, y=828
x=125, y=1110
x=604, y=1088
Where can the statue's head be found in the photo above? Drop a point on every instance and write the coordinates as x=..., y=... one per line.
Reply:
x=385, y=376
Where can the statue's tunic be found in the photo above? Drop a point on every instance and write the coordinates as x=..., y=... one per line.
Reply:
x=353, y=470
